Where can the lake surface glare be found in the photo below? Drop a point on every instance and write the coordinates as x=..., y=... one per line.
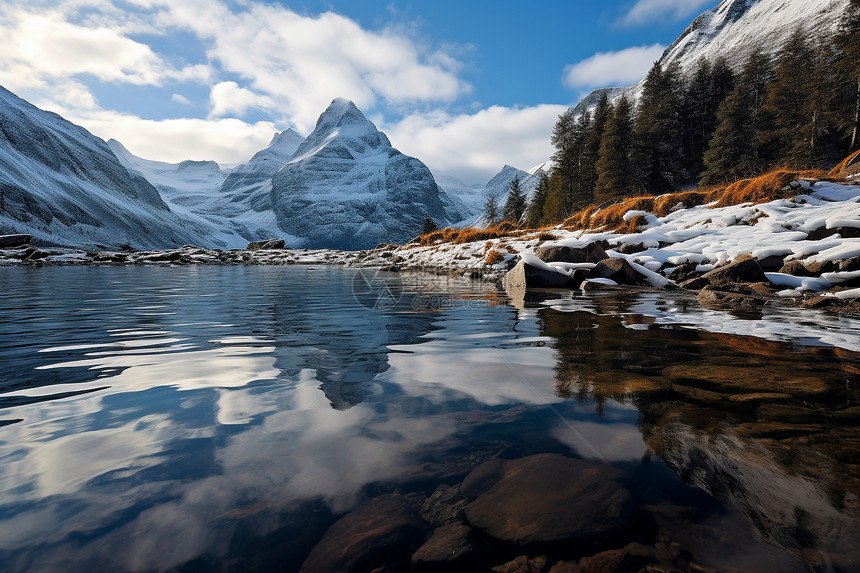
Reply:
x=274, y=418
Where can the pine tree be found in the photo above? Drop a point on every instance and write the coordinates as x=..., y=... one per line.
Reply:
x=788, y=119
x=491, y=211
x=614, y=173
x=657, y=134
x=429, y=226
x=847, y=88
x=598, y=126
x=554, y=209
x=515, y=205
x=733, y=151
x=707, y=89
x=581, y=185
x=562, y=140
x=535, y=215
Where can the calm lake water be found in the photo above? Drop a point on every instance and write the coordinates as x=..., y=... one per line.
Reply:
x=228, y=418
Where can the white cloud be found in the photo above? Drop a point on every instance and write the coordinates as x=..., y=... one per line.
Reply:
x=301, y=62
x=227, y=141
x=227, y=98
x=475, y=147
x=41, y=48
x=180, y=99
x=610, y=69
x=290, y=64
x=646, y=11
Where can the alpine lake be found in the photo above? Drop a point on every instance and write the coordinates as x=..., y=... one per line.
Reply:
x=206, y=418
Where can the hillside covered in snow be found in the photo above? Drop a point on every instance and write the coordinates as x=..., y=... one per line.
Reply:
x=65, y=186
x=733, y=30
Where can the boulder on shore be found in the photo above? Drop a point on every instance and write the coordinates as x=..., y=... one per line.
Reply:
x=525, y=275
x=618, y=270
x=590, y=253
x=744, y=269
x=12, y=241
x=267, y=245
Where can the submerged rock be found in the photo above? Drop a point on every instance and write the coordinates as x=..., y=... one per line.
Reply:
x=633, y=557
x=383, y=532
x=548, y=498
x=445, y=506
x=523, y=564
x=735, y=299
x=446, y=545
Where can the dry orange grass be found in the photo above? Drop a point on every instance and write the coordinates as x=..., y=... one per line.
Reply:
x=839, y=170
x=665, y=204
x=761, y=189
x=494, y=258
x=469, y=234
x=764, y=188
x=610, y=218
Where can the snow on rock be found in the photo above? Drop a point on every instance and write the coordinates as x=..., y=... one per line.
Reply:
x=702, y=235
x=848, y=294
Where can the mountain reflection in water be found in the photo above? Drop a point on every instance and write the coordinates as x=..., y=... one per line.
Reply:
x=156, y=419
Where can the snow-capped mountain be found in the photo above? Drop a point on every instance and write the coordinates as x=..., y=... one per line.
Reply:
x=737, y=27
x=265, y=163
x=235, y=206
x=347, y=187
x=343, y=187
x=64, y=186
x=470, y=199
x=733, y=30
x=192, y=190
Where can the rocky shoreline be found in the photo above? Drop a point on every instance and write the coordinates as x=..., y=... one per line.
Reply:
x=744, y=284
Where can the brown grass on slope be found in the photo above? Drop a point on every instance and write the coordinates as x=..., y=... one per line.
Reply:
x=469, y=234
x=761, y=189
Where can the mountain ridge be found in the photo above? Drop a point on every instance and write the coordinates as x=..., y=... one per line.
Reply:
x=732, y=30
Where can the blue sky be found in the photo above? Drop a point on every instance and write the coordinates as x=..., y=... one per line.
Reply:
x=464, y=86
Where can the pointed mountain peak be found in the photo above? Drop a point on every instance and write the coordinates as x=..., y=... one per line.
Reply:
x=288, y=136
x=341, y=112
x=343, y=123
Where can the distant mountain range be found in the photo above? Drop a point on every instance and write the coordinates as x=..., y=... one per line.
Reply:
x=344, y=186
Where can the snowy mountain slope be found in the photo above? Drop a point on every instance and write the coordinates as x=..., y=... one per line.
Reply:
x=347, y=187
x=733, y=30
x=186, y=183
x=64, y=186
x=736, y=27
x=230, y=215
x=192, y=189
x=470, y=200
x=265, y=163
